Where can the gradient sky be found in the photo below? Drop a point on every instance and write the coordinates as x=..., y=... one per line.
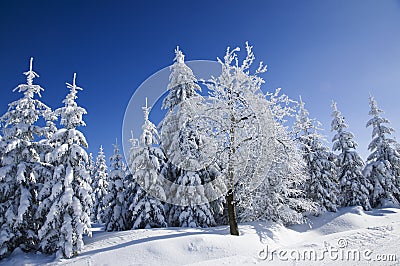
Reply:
x=322, y=50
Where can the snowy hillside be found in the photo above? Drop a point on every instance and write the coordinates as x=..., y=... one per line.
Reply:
x=348, y=233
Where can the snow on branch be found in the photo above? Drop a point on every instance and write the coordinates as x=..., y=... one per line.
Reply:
x=29, y=89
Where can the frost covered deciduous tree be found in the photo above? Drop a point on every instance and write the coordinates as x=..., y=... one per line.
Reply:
x=353, y=186
x=383, y=164
x=235, y=123
x=321, y=185
x=146, y=208
x=21, y=166
x=115, y=212
x=99, y=187
x=65, y=196
x=278, y=194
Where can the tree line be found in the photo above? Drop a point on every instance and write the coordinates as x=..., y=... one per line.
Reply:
x=226, y=157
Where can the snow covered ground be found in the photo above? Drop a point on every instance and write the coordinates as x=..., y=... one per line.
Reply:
x=350, y=237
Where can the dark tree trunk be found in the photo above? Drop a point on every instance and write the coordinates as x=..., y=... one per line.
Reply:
x=233, y=226
x=230, y=197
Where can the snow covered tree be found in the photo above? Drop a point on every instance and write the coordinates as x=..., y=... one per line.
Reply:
x=383, y=164
x=183, y=84
x=235, y=124
x=99, y=187
x=321, y=185
x=115, y=212
x=354, y=187
x=21, y=167
x=65, y=197
x=275, y=191
x=182, y=87
x=146, y=208
x=180, y=140
x=130, y=184
x=195, y=210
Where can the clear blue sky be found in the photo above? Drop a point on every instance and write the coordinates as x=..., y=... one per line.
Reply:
x=322, y=50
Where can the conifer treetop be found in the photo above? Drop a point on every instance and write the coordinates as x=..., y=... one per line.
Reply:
x=29, y=89
x=374, y=106
x=134, y=142
x=182, y=82
x=377, y=120
x=149, y=135
x=303, y=116
x=71, y=114
x=70, y=99
x=116, y=146
x=338, y=122
x=179, y=56
x=146, y=111
x=381, y=132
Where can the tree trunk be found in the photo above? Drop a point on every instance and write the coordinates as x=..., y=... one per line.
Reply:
x=230, y=197
x=233, y=226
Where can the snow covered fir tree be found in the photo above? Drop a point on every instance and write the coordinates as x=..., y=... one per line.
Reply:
x=321, y=185
x=383, y=164
x=226, y=152
x=147, y=211
x=22, y=167
x=189, y=205
x=354, y=186
x=114, y=201
x=99, y=187
x=65, y=197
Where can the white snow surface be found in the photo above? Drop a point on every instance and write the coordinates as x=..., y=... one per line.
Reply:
x=351, y=229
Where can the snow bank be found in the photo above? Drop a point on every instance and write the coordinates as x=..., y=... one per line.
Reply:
x=350, y=229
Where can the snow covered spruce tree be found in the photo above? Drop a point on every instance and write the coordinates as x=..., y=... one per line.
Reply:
x=147, y=210
x=189, y=192
x=130, y=184
x=99, y=187
x=115, y=212
x=383, y=164
x=182, y=86
x=353, y=186
x=179, y=141
x=235, y=124
x=321, y=185
x=21, y=167
x=65, y=197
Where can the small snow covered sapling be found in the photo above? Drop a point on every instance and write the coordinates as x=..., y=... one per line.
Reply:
x=115, y=211
x=99, y=187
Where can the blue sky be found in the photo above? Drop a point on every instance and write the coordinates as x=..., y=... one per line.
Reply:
x=322, y=50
